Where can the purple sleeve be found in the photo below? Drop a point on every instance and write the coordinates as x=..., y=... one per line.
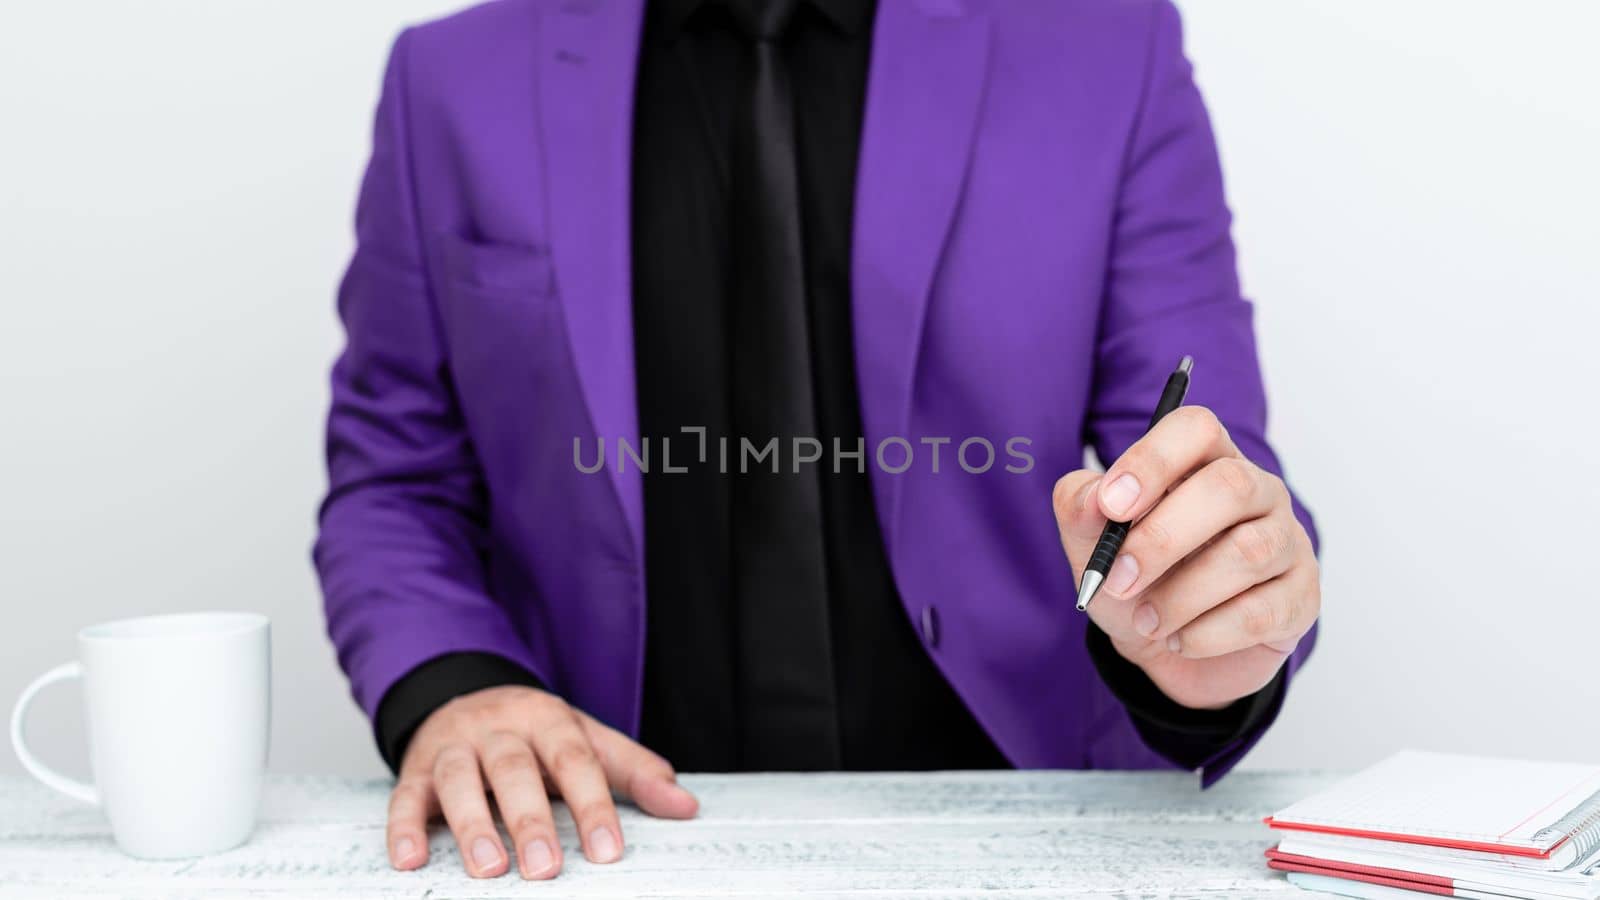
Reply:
x=1172, y=289
x=402, y=527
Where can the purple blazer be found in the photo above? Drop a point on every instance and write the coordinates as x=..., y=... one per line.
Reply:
x=1040, y=234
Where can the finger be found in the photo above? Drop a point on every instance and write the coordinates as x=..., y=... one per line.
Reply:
x=639, y=774
x=1223, y=493
x=1081, y=523
x=1246, y=555
x=1078, y=518
x=411, y=804
x=519, y=793
x=1274, y=611
x=565, y=753
x=1183, y=441
x=466, y=810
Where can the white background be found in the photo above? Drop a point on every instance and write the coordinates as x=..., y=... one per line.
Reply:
x=1417, y=203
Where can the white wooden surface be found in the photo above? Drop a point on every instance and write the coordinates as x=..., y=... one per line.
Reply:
x=879, y=836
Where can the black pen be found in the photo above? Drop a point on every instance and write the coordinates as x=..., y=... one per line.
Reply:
x=1105, y=551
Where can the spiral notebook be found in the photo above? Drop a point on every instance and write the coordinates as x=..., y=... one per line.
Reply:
x=1535, y=814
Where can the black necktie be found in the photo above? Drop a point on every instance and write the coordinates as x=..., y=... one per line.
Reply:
x=786, y=690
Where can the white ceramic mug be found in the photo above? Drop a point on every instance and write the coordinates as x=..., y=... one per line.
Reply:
x=178, y=711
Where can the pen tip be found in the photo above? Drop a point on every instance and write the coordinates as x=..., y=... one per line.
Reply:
x=1091, y=584
x=1185, y=364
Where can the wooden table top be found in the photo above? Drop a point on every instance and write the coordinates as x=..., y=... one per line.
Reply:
x=1033, y=834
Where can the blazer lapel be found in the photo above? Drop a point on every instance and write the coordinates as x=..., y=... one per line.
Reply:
x=924, y=93
x=588, y=58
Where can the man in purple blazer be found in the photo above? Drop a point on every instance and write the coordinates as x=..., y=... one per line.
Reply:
x=713, y=370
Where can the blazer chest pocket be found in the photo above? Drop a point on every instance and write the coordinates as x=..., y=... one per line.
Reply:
x=501, y=319
x=493, y=270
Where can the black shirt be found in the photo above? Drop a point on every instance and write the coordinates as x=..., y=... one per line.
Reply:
x=894, y=709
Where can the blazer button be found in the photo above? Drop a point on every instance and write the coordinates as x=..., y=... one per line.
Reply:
x=930, y=626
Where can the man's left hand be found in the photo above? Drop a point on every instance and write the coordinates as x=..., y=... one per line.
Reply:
x=1216, y=582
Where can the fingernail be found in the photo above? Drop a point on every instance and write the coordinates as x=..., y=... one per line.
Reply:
x=485, y=855
x=1119, y=496
x=537, y=858
x=403, y=849
x=1287, y=646
x=603, y=845
x=1087, y=493
x=1145, y=620
x=1174, y=645
x=1124, y=572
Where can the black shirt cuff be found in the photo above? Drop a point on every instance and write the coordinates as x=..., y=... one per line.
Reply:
x=433, y=684
x=1188, y=737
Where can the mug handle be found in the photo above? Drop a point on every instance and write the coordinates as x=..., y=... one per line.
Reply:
x=69, y=786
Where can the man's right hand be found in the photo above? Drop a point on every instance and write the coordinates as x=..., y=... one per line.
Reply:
x=530, y=745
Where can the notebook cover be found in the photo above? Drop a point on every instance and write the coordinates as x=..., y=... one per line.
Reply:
x=1351, y=870
x=1466, y=803
x=1423, y=887
x=1427, y=840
